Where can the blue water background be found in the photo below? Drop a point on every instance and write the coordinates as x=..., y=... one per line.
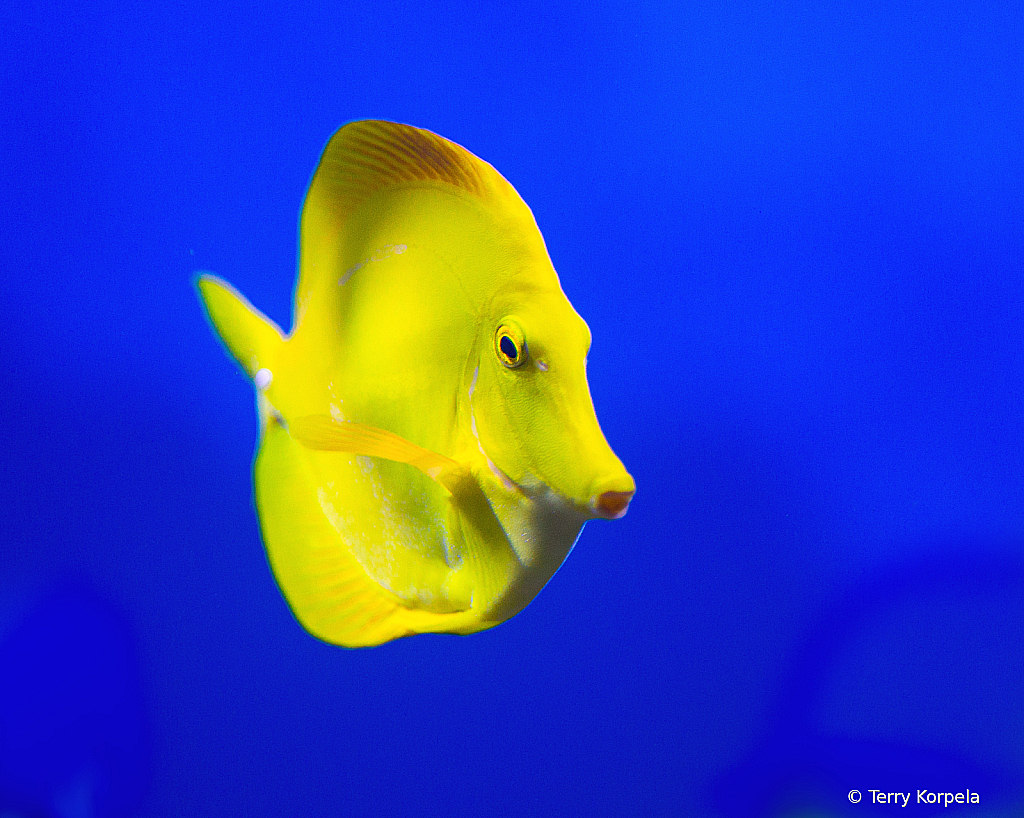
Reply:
x=797, y=233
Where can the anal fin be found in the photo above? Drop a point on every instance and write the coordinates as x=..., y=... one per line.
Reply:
x=327, y=589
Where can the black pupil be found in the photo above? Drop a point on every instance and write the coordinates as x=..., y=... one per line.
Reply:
x=508, y=346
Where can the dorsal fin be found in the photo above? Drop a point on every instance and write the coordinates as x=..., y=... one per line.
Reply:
x=363, y=157
x=368, y=156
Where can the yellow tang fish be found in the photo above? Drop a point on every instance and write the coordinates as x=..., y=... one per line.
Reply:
x=429, y=450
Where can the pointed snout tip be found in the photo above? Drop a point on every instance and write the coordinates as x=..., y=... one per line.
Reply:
x=613, y=503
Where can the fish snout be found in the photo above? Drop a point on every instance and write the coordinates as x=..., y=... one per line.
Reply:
x=611, y=499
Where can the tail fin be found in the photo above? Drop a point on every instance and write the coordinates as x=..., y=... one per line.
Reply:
x=246, y=333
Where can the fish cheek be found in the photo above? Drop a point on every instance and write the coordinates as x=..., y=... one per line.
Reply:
x=535, y=430
x=497, y=405
x=544, y=425
x=552, y=414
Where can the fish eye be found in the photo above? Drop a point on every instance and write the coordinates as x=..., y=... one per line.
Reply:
x=510, y=346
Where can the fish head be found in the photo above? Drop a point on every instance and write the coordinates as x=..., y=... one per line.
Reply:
x=532, y=412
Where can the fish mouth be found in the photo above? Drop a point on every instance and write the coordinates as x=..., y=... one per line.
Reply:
x=606, y=503
x=610, y=497
x=611, y=505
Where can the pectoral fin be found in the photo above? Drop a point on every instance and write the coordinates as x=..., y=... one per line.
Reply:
x=323, y=433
